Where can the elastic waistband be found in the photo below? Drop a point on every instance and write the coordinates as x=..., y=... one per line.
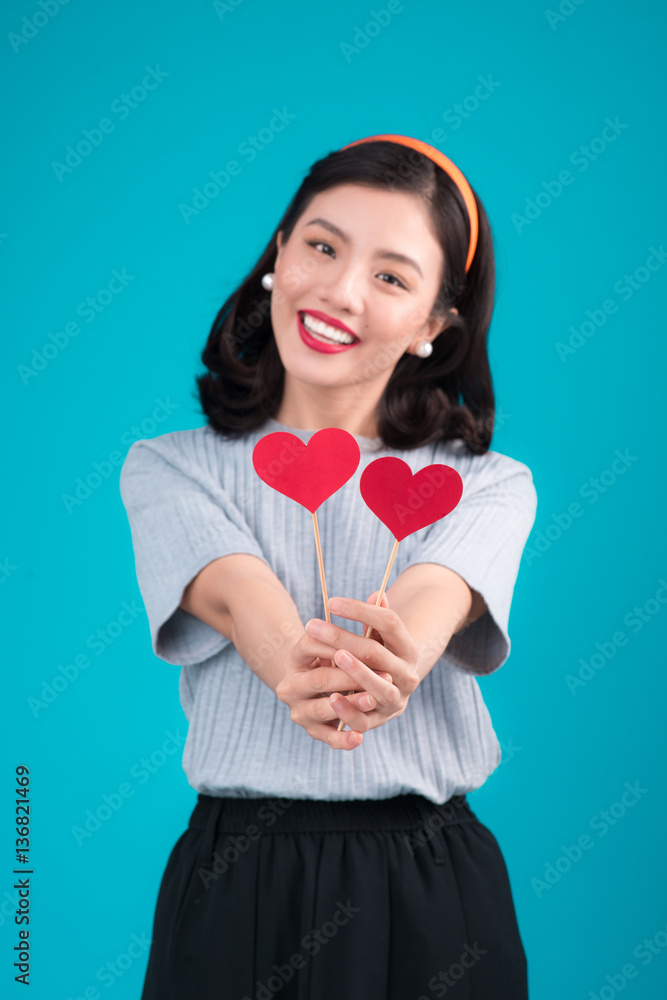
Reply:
x=282, y=815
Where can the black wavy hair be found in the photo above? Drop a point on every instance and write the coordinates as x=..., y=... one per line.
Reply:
x=447, y=396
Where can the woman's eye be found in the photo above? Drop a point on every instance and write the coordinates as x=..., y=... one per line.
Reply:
x=318, y=243
x=394, y=278
x=321, y=243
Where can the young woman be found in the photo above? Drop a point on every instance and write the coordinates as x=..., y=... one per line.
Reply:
x=307, y=872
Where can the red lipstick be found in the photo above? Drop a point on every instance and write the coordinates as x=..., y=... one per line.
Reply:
x=319, y=345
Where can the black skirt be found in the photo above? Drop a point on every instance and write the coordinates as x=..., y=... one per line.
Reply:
x=389, y=899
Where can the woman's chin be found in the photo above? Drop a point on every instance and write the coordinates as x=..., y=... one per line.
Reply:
x=315, y=369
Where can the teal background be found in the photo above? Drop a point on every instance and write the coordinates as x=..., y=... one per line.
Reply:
x=566, y=755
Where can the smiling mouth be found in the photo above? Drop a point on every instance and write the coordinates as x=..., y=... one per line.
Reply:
x=324, y=332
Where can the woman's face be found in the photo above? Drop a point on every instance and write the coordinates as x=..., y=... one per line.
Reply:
x=367, y=262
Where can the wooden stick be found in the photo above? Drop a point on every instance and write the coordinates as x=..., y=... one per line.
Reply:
x=378, y=601
x=321, y=563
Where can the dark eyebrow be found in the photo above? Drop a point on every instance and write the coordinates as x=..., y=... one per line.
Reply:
x=400, y=258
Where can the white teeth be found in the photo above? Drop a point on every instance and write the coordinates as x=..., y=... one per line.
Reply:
x=325, y=332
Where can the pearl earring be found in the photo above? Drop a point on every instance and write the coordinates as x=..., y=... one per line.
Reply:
x=425, y=349
x=267, y=281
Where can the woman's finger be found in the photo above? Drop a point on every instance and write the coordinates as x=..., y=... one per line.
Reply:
x=384, y=691
x=324, y=680
x=350, y=716
x=347, y=739
x=395, y=636
x=330, y=637
x=360, y=700
x=320, y=709
x=384, y=603
x=309, y=647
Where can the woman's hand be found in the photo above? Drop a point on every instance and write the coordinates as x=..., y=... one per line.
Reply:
x=308, y=678
x=365, y=660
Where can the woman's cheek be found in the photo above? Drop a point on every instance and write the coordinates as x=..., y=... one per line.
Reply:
x=383, y=357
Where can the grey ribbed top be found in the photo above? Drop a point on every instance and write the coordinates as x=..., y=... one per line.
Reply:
x=192, y=496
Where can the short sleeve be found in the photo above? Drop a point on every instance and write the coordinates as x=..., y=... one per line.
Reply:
x=483, y=540
x=181, y=519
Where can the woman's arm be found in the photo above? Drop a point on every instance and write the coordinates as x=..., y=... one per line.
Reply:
x=434, y=602
x=429, y=603
x=242, y=598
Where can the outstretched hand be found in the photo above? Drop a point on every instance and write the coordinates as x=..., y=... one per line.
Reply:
x=311, y=672
x=388, y=650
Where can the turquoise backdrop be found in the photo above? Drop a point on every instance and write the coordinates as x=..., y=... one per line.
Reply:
x=122, y=231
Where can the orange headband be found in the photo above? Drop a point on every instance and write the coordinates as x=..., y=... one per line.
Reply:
x=449, y=168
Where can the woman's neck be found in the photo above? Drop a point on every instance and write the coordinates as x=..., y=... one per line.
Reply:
x=314, y=408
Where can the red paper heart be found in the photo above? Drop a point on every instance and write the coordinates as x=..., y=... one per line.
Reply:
x=406, y=503
x=308, y=473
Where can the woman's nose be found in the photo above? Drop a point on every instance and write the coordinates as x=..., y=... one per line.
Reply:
x=344, y=290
